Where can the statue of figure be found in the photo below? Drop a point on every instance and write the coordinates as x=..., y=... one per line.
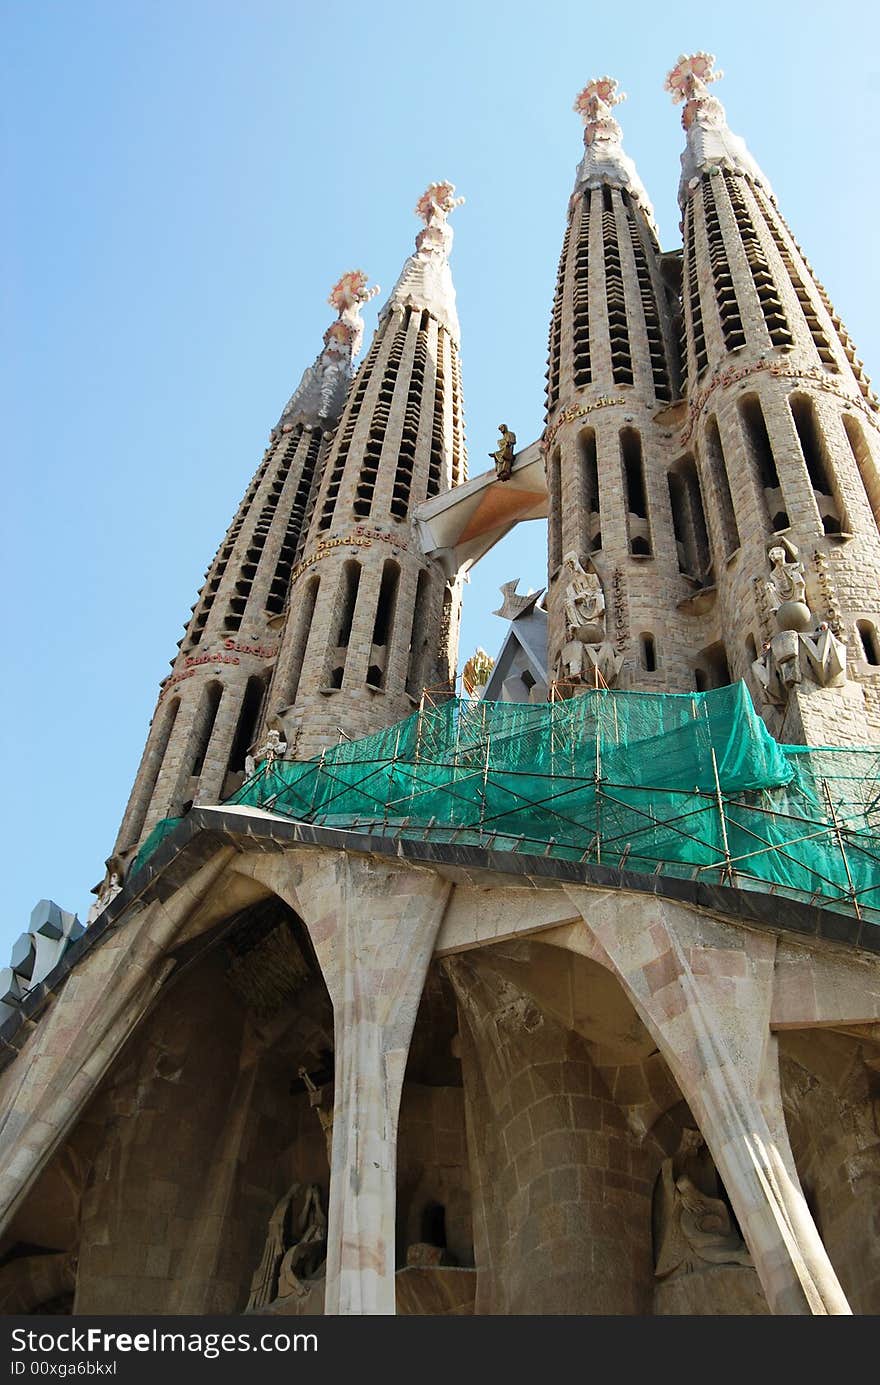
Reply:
x=503, y=454
x=692, y=1225
x=284, y=1269
x=787, y=577
x=304, y=1259
x=475, y=674
x=265, y=1277
x=583, y=602
x=434, y=206
x=273, y=749
x=108, y=889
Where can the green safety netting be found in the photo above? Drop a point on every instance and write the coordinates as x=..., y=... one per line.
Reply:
x=678, y=784
x=155, y=839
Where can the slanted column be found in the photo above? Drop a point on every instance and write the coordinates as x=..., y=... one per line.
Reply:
x=373, y=927
x=704, y=988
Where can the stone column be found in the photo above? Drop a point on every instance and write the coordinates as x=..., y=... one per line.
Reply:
x=561, y=1189
x=703, y=988
x=373, y=927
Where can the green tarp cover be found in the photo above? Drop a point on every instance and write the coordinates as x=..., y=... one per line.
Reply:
x=690, y=784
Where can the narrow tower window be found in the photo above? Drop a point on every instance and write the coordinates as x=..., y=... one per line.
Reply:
x=634, y=489
x=649, y=655
x=248, y=719
x=717, y=467
x=301, y=638
x=384, y=623
x=865, y=463
x=822, y=479
x=763, y=461
x=420, y=636
x=688, y=519
x=204, y=725
x=346, y=599
x=869, y=642
x=591, y=531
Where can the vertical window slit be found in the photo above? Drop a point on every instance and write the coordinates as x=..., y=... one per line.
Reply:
x=638, y=525
x=717, y=467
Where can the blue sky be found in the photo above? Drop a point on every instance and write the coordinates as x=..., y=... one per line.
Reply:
x=187, y=179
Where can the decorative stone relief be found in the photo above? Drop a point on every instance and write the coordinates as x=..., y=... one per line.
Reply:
x=827, y=588
x=693, y=1225
x=802, y=649
x=293, y=1255
x=586, y=655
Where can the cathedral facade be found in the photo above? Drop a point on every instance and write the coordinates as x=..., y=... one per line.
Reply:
x=562, y=998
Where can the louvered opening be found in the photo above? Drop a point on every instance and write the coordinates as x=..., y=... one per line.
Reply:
x=725, y=295
x=768, y=295
x=615, y=297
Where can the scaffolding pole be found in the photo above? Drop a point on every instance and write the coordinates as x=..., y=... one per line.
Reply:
x=728, y=868
x=839, y=835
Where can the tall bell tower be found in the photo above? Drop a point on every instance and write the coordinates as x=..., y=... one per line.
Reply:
x=210, y=704
x=783, y=428
x=613, y=365
x=371, y=621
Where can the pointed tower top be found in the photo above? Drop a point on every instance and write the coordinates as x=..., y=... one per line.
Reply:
x=318, y=399
x=425, y=280
x=604, y=158
x=710, y=144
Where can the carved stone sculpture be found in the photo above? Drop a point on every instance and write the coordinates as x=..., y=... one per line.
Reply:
x=583, y=602
x=503, y=454
x=693, y=1226
x=787, y=584
x=586, y=656
x=274, y=749
x=801, y=651
x=288, y=1270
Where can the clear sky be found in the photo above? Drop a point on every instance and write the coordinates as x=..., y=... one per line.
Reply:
x=187, y=179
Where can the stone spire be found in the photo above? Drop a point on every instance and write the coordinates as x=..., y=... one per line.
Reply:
x=426, y=280
x=710, y=144
x=210, y=704
x=605, y=160
x=372, y=622
x=318, y=399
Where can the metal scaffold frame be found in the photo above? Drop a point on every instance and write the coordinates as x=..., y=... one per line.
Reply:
x=687, y=785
